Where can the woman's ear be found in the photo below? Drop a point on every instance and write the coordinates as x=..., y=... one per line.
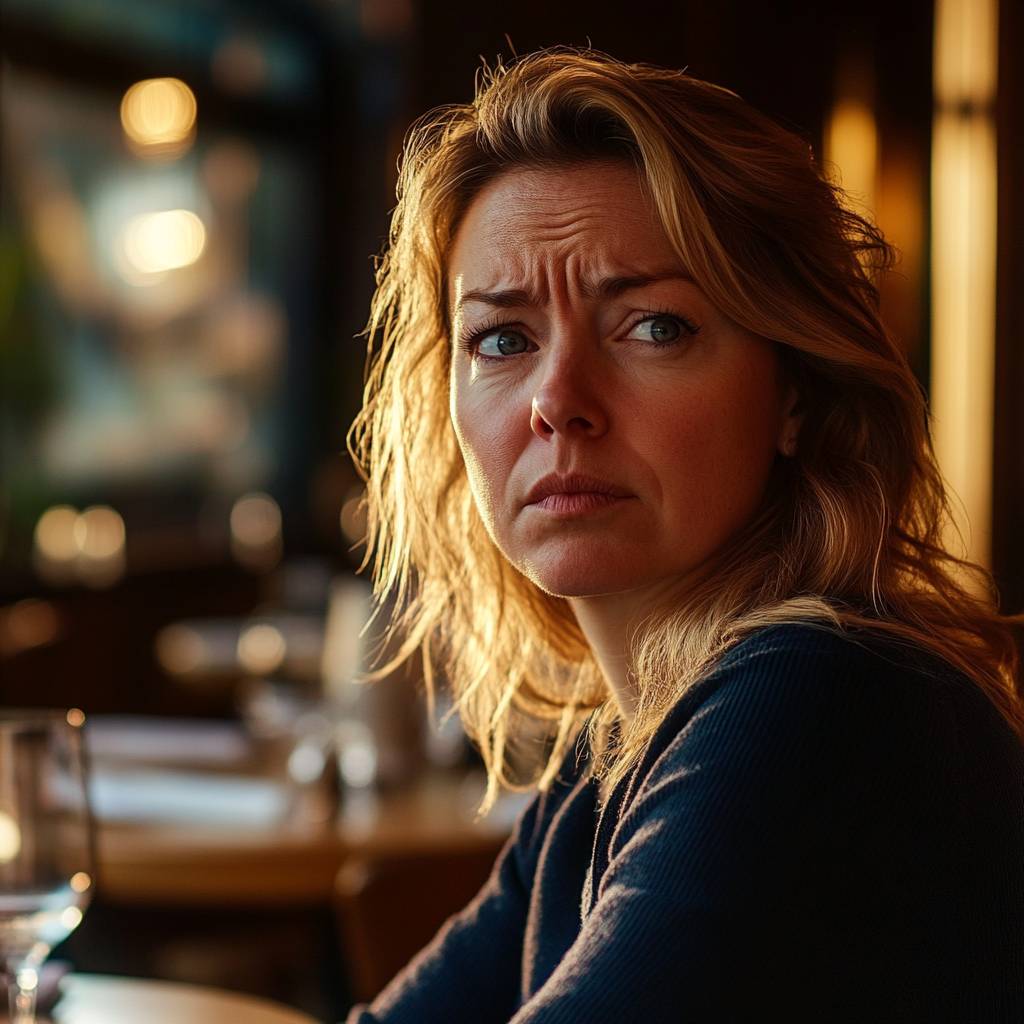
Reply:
x=792, y=419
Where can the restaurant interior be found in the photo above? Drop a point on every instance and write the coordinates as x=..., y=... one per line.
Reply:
x=192, y=196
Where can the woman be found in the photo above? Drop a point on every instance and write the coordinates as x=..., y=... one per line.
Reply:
x=645, y=464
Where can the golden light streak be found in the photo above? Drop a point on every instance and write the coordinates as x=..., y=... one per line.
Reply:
x=851, y=145
x=964, y=261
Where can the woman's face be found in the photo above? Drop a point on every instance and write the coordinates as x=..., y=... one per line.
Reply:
x=617, y=427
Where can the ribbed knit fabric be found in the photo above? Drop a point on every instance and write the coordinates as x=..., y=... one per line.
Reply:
x=828, y=828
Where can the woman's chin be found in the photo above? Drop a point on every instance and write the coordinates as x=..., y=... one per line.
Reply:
x=578, y=579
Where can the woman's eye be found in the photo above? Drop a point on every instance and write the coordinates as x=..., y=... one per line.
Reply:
x=662, y=330
x=502, y=343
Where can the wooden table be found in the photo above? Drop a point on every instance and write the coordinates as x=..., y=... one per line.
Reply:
x=101, y=999
x=285, y=866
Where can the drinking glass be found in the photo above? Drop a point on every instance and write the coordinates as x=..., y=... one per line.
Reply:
x=46, y=849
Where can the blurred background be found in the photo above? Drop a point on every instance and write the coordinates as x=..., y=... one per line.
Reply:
x=191, y=196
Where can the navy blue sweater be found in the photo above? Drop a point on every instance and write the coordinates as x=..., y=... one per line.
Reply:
x=825, y=829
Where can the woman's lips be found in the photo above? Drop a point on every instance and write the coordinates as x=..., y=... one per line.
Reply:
x=575, y=493
x=577, y=502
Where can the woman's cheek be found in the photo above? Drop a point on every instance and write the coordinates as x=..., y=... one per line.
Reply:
x=480, y=429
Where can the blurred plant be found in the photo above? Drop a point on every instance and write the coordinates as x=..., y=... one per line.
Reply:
x=27, y=380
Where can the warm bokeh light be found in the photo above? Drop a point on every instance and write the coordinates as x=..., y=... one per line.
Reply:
x=55, y=534
x=964, y=260
x=10, y=838
x=27, y=624
x=159, y=117
x=80, y=881
x=76, y=719
x=256, y=531
x=902, y=215
x=306, y=763
x=357, y=754
x=180, y=649
x=255, y=520
x=99, y=533
x=153, y=243
x=80, y=547
x=261, y=649
x=71, y=917
x=966, y=52
x=344, y=653
x=851, y=145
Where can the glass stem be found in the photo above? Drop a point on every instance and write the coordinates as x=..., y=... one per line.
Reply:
x=23, y=996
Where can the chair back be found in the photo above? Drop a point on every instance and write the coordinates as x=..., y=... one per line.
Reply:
x=390, y=906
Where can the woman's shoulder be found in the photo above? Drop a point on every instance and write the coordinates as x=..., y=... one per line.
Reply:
x=813, y=692
x=827, y=659
x=807, y=646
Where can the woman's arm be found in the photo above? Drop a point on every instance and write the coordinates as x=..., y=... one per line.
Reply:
x=471, y=971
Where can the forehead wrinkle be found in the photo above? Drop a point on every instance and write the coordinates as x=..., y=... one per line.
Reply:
x=560, y=228
x=614, y=285
x=546, y=250
x=608, y=287
x=512, y=288
x=524, y=289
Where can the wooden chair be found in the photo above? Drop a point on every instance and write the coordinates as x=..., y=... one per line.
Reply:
x=390, y=906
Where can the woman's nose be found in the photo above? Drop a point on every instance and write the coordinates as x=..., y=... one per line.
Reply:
x=569, y=400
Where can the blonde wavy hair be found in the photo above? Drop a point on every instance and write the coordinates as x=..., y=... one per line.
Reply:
x=851, y=529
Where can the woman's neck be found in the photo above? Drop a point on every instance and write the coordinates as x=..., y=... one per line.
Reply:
x=606, y=621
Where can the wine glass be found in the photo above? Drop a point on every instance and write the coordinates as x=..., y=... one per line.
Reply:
x=45, y=844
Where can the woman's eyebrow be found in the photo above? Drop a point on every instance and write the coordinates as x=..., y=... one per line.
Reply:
x=504, y=299
x=610, y=287
x=606, y=288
